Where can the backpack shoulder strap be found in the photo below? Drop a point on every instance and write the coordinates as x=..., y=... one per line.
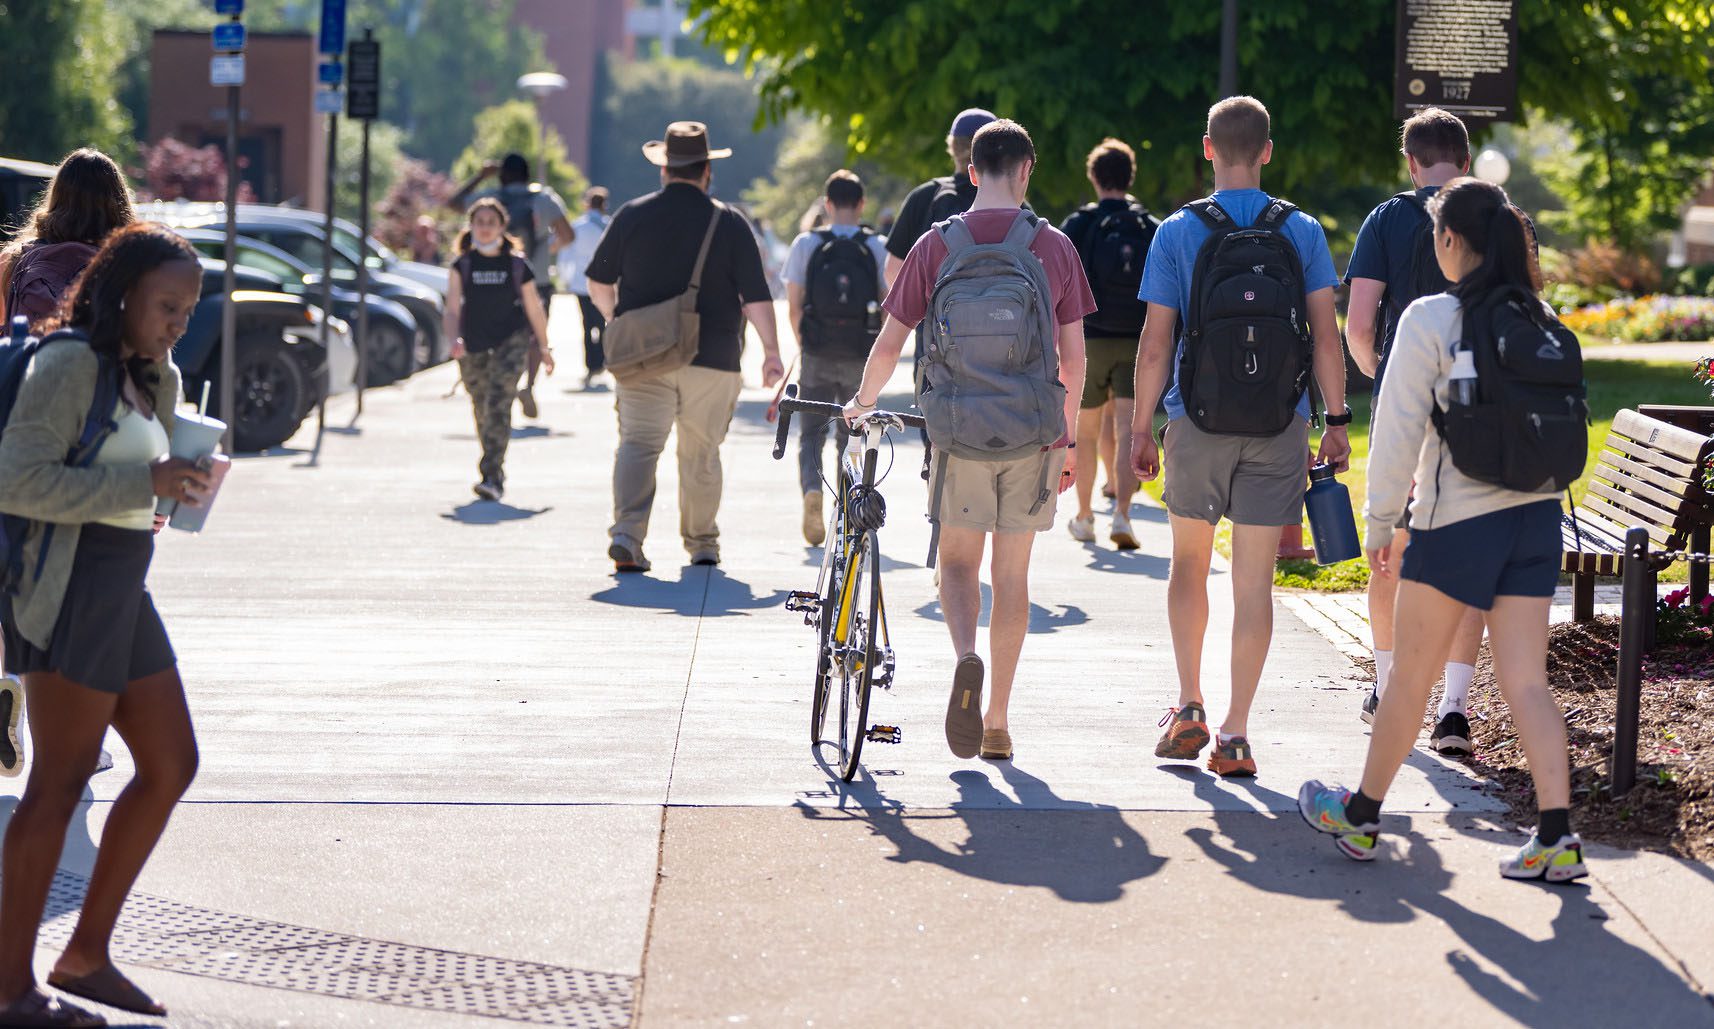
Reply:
x=1024, y=229
x=956, y=235
x=1274, y=217
x=1212, y=214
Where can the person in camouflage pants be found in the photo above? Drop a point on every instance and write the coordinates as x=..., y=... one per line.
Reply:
x=496, y=321
x=491, y=377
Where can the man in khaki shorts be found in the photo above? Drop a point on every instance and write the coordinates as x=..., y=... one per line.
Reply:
x=1010, y=500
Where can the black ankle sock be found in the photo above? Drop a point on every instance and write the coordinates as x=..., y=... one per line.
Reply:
x=1555, y=825
x=1361, y=810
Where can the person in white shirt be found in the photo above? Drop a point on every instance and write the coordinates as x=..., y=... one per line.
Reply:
x=573, y=260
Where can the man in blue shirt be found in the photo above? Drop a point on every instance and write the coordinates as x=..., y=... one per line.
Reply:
x=1388, y=271
x=1255, y=481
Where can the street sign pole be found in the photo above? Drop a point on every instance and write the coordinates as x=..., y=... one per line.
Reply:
x=1229, y=49
x=227, y=40
x=331, y=45
x=362, y=99
x=327, y=264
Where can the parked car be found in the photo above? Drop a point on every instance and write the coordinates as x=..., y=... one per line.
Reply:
x=379, y=256
x=394, y=333
x=21, y=183
x=302, y=234
x=281, y=370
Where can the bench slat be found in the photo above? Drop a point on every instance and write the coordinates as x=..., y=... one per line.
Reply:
x=1677, y=485
x=1609, y=565
x=1641, y=509
x=1619, y=517
x=1673, y=506
x=1666, y=463
x=1597, y=528
x=1658, y=435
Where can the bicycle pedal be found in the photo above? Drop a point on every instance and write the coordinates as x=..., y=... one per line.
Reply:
x=884, y=734
x=805, y=601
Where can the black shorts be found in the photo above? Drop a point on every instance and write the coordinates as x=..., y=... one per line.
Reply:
x=1513, y=552
x=108, y=633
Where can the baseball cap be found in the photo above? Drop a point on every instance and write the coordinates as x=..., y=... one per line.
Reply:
x=969, y=120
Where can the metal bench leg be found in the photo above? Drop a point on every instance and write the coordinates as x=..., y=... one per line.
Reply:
x=1582, y=597
x=1635, y=613
x=1699, y=543
x=1653, y=609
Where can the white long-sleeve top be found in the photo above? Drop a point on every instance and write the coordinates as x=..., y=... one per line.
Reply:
x=1403, y=444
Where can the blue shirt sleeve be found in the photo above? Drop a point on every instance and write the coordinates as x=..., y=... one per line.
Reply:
x=1369, y=255
x=1311, y=243
x=1161, y=271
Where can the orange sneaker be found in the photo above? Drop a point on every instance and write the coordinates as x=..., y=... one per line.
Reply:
x=1233, y=758
x=1186, y=736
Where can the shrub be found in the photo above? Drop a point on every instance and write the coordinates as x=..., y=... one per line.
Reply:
x=1648, y=319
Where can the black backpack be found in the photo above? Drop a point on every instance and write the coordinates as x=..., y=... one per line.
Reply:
x=1424, y=279
x=1114, y=249
x=946, y=202
x=1248, y=353
x=1527, y=428
x=521, y=216
x=16, y=352
x=841, y=288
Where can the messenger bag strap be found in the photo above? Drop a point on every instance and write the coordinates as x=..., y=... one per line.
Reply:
x=1042, y=489
x=707, y=240
x=934, y=507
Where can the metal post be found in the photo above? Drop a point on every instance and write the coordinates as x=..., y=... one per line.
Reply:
x=228, y=310
x=327, y=274
x=363, y=262
x=1228, y=48
x=1637, y=607
x=1699, y=544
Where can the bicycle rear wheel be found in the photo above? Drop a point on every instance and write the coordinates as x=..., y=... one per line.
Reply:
x=856, y=659
x=824, y=649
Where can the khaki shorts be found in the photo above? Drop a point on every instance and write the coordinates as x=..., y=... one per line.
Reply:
x=1253, y=480
x=996, y=496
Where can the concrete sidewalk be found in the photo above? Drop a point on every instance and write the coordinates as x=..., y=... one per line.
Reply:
x=456, y=771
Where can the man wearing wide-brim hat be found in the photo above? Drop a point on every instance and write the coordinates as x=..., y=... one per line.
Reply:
x=646, y=256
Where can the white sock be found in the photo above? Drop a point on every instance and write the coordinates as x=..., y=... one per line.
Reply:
x=1383, y=669
x=1457, y=698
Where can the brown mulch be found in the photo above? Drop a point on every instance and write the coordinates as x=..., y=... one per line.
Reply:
x=1671, y=809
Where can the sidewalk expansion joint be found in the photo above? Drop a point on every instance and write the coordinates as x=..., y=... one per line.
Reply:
x=157, y=933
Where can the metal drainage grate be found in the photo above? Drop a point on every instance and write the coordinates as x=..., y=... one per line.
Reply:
x=159, y=933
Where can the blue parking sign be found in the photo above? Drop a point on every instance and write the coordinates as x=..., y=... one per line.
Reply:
x=229, y=7
x=329, y=73
x=332, y=27
x=229, y=37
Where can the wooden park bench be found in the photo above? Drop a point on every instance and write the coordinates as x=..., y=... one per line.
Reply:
x=1646, y=477
x=1645, y=509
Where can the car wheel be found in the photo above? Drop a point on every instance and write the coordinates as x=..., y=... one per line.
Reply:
x=390, y=355
x=269, y=391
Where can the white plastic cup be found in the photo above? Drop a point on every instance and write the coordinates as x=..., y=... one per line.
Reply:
x=195, y=436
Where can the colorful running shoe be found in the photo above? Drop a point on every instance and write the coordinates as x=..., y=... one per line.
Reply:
x=1560, y=863
x=1323, y=807
x=1233, y=758
x=1186, y=736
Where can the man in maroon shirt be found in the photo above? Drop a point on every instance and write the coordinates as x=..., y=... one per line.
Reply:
x=983, y=498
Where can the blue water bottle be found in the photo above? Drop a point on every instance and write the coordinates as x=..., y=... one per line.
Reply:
x=1330, y=519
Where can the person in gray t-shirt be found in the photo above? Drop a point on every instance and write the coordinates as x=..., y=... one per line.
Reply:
x=538, y=218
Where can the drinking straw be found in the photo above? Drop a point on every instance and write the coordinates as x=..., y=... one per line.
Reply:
x=202, y=408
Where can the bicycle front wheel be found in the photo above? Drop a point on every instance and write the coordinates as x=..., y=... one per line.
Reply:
x=858, y=625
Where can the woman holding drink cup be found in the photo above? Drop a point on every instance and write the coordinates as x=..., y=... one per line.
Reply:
x=84, y=633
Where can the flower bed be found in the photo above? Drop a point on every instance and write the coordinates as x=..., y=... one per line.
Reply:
x=1649, y=319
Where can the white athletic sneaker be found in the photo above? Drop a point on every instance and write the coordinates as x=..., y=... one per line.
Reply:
x=1122, y=536
x=1082, y=529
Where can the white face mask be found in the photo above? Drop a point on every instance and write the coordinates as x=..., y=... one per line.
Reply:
x=488, y=249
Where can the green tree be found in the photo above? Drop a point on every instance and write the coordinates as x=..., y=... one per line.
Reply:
x=895, y=71
x=640, y=98
x=59, y=89
x=510, y=127
x=386, y=157
x=811, y=152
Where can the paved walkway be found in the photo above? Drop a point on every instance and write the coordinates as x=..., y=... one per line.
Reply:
x=1685, y=352
x=457, y=772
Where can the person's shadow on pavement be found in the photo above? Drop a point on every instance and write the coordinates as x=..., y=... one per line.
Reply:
x=1085, y=853
x=1569, y=978
x=1042, y=620
x=491, y=512
x=698, y=592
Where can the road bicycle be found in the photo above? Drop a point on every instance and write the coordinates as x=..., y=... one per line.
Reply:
x=853, y=651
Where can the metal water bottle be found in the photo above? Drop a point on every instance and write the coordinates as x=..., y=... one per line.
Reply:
x=1462, y=379
x=1331, y=522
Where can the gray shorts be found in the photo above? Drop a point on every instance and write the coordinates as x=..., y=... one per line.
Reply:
x=1253, y=480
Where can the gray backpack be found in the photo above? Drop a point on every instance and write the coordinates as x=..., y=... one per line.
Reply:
x=989, y=388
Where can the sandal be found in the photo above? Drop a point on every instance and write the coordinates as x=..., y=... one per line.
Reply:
x=110, y=987
x=35, y=1009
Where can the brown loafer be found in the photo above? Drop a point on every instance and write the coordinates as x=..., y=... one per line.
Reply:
x=996, y=745
x=964, y=708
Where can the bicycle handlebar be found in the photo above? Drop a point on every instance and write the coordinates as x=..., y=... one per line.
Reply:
x=791, y=403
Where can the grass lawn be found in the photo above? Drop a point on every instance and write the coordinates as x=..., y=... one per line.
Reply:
x=1613, y=386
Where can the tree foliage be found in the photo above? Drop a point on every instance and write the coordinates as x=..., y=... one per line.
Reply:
x=895, y=71
x=811, y=152
x=640, y=98
x=178, y=171
x=58, y=91
x=512, y=127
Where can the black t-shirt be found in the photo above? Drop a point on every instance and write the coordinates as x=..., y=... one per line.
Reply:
x=492, y=311
x=1078, y=225
x=914, y=218
x=650, y=247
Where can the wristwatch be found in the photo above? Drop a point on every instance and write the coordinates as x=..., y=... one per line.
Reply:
x=1334, y=420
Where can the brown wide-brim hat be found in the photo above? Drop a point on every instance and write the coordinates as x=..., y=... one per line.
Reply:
x=686, y=143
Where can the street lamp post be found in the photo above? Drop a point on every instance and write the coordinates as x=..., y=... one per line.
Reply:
x=540, y=85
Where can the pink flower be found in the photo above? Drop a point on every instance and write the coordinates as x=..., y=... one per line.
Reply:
x=1707, y=604
x=1677, y=597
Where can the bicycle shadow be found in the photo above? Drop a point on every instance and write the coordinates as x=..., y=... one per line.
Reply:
x=1042, y=619
x=1085, y=853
